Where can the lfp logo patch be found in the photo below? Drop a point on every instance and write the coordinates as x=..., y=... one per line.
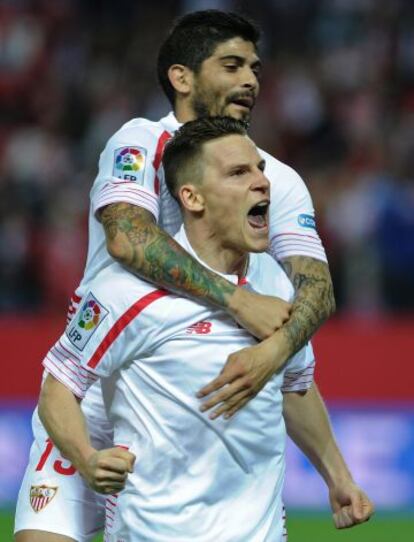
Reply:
x=129, y=163
x=86, y=322
x=307, y=221
x=90, y=315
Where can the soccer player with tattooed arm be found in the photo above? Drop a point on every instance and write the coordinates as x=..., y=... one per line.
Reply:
x=174, y=473
x=132, y=220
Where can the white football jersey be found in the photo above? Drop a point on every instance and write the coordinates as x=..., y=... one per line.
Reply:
x=130, y=170
x=194, y=479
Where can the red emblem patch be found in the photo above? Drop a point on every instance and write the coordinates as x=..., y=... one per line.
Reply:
x=200, y=328
x=40, y=496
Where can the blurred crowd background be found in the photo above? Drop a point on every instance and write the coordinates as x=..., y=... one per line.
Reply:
x=337, y=104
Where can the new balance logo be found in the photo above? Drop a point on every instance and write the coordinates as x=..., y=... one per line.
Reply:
x=200, y=328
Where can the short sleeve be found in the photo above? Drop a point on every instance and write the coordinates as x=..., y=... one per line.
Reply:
x=128, y=169
x=299, y=373
x=102, y=336
x=292, y=223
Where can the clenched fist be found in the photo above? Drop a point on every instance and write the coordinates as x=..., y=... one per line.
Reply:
x=106, y=471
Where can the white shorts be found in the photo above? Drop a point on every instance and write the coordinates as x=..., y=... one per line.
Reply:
x=53, y=496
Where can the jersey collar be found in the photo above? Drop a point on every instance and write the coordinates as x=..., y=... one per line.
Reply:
x=170, y=123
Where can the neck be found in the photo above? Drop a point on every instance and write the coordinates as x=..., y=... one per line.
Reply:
x=213, y=251
x=183, y=111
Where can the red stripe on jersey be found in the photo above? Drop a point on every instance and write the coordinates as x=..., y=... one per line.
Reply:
x=122, y=322
x=157, y=184
x=75, y=298
x=164, y=137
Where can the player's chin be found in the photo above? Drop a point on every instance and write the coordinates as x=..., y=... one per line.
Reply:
x=238, y=112
x=257, y=238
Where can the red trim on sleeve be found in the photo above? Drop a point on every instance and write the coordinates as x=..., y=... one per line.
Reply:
x=122, y=322
x=164, y=137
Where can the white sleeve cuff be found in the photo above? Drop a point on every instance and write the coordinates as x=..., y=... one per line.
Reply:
x=296, y=244
x=117, y=191
x=299, y=380
x=65, y=367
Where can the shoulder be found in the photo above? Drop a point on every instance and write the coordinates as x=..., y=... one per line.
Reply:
x=131, y=154
x=120, y=292
x=117, y=289
x=140, y=132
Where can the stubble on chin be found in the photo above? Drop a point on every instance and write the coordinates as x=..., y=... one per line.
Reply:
x=200, y=109
x=243, y=116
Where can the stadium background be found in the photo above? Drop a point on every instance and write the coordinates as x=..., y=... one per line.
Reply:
x=337, y=103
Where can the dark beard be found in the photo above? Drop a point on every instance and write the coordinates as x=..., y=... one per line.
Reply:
x=202, y=110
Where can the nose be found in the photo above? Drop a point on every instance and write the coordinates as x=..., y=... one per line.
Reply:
x=261, y=183
x=249, y=79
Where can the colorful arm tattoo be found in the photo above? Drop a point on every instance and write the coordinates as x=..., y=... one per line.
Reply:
x=148, y=251
x=314, y=300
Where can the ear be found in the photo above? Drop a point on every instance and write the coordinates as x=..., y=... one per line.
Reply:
x=181, y=78
x=191, y=198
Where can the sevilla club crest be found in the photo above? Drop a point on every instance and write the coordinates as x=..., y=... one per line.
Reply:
x=40, y=496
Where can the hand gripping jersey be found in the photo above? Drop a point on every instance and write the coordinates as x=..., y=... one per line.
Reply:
x=194, y=479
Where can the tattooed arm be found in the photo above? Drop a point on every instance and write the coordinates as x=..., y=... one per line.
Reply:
x=314, y=299
x=249, y=369
x=135, y=241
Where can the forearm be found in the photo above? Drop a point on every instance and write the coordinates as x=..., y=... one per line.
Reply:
x=136, y=242
x=314, y=299
x=60, y=413
x=308, y=425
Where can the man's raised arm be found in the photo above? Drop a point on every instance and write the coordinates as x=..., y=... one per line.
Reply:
x=135, y=241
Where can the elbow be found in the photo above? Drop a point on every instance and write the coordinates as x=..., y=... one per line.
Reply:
x=118, y=251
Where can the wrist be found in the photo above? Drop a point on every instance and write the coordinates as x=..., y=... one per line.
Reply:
x=336, y=472
x=277, y=347
x=236, y=301
x=83, y=459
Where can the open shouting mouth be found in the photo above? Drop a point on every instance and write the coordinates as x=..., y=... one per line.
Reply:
x=257, y=216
